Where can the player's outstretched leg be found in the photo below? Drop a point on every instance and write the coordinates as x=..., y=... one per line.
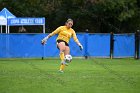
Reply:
x=62, y=66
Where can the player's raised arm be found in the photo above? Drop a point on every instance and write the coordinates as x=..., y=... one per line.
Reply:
x=44, y=40
x=77, y=41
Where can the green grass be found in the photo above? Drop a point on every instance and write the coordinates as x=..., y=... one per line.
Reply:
x=81, y=76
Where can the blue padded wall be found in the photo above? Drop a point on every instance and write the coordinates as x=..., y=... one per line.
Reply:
x=95, y=45
x=124, y=45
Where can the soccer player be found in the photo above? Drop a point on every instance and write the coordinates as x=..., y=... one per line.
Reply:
x=64, y=34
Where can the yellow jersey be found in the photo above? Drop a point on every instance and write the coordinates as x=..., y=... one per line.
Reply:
x=64, y=34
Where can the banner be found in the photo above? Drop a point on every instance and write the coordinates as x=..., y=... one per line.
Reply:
x=26, y=21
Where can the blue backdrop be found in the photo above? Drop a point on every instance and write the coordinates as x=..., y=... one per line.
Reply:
x=124, y=45
x=98, y=45
x=95, y=45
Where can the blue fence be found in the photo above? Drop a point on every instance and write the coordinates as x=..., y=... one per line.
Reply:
x=98, y=45
x=124, y=45
x=95, y=45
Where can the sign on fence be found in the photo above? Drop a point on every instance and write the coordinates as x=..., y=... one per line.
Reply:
x=26, y=21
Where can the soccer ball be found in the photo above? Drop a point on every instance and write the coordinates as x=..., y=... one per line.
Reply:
x=68, y=58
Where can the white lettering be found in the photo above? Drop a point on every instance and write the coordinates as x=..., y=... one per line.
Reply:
x=15, y=21
x=27, y=21
x=38, y=21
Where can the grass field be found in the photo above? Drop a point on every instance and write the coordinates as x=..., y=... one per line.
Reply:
x=81, y=76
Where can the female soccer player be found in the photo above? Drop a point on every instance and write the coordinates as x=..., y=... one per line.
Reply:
x=64, y=34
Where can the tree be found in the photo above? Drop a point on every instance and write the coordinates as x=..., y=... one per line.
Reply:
x=101, y=16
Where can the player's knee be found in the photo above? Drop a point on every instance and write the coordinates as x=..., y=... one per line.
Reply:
x=62, y=50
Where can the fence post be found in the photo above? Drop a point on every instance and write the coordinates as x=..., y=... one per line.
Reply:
x=111, y=44
x=86, y=42
x=43, y=54
x=137, y=44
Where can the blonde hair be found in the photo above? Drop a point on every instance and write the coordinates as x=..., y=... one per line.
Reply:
x=68, y=20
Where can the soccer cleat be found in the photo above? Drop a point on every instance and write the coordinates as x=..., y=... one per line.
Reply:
x=61, y=71
x=65, y=63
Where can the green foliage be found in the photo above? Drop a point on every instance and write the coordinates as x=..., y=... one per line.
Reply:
x=95, y=15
